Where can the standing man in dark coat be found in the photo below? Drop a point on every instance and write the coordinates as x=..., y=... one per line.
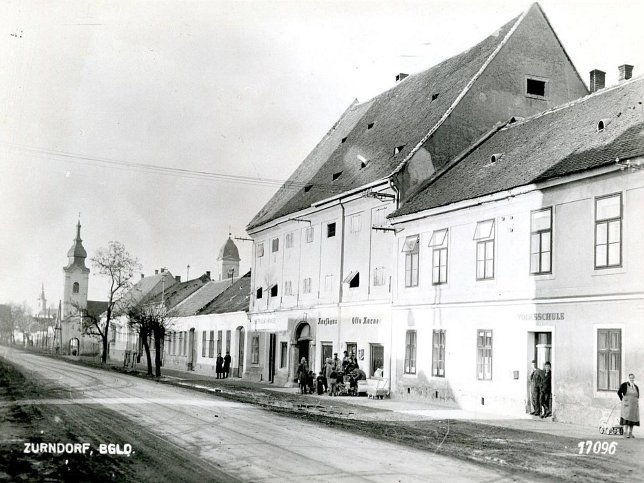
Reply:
x=536, y=377
x=546, y=389
x=219, y=365
x=226, y=365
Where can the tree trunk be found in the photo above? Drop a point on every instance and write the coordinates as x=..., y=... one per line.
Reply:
x=146, y=346
x=158, y=336
x=104, y=355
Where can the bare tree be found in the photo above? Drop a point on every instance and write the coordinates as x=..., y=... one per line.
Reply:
x=149, y=321
x=119, y=266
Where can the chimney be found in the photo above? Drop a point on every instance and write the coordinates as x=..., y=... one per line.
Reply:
x=208, y=274
x=162, y=270
x=156, y=272
x=625, y=72
x=177, y=278
x=597, y=80
x=142, y=276
x=401, y=76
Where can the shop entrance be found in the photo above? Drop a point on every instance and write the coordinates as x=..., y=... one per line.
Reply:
x=272, y=345
x=540, y=350
x=302, y=346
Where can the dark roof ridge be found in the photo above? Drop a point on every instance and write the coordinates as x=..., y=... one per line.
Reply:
x=574, y=102
x=465, y=90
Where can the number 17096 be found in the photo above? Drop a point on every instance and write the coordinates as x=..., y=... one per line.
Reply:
x=597, y=447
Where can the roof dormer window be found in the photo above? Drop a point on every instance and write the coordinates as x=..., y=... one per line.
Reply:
x=370, y=125
x=397, y=149
x=495, y=157
x=344, y=140
x=307, y=188
x=337, y=175
x=435, y=96
x=603, y=124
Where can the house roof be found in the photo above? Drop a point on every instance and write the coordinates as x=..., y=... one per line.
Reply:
x=373, y=139
x=236, y=298
x=145, y=288
x=199, y=299
x=95, y=307
x=174, y=294
x=558, y=142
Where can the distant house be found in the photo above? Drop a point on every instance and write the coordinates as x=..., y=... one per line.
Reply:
x=528, y=246
x=322, y=255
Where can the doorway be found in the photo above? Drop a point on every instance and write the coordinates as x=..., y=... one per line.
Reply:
x=303, y=345
x=191, y=349
x=240, y=355
x=272, y=346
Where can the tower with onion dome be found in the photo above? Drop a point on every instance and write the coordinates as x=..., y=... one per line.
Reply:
x=228, y=260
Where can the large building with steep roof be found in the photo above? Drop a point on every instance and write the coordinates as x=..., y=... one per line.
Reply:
x=322, y=256
x=528, y=246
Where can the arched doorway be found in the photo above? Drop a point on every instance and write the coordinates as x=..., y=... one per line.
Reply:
x=240, y=355
x=303, y=338
x=74, y=346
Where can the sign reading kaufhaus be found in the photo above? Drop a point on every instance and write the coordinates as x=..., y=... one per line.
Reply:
x=543, y=316
x=327, y=321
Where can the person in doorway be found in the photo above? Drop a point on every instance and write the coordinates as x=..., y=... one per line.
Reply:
x=629, y=394
x=219, y=365
x=345, y=361
x=303, y=375
x=546, y=389
x=227, y=360
x=536, y=377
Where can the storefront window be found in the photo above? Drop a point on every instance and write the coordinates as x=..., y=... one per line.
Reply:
x=283, y=354
x=204, y=337
x=377, y=358
x=254, y=350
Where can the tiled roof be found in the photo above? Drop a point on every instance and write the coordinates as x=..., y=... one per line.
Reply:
x=236, y=298
x=382, y=131
x=95, y=308
x=559, y=142
x=178, y=292
x=146, y=287
x=199, y=299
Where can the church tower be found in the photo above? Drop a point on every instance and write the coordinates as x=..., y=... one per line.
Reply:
x=76, y=277
x=42, y=303
x=228, y=260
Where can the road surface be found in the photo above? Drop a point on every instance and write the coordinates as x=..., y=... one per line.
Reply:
x=203, y=437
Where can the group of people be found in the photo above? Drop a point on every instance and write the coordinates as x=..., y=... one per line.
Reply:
x=540, y=389
x=222, y=366
x=332, y=377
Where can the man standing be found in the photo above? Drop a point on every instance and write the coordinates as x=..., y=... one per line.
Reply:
x=536, y=377
x=546, y=389
x=227, y=365
x=219, y=365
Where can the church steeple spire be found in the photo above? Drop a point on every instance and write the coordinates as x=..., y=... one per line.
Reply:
x=77, y=253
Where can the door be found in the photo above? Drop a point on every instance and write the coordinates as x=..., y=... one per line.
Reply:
x=272, y=346
x=240, y=336
x=191, y=349
x=327, y=352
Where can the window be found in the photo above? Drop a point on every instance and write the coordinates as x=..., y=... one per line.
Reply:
x=484, y=236
x=484, y=355
x=609, y=359
x=608, y=231
x=204, y=338
x=410, y=352
x=379, y=219
x=260, y=250
x=185, y=343
x=274, y=291
x=306, y=285
x=352, y=348
x=228, y=335
x=330, y=230
x=259, y=293
x=327, y=351
x=410, y=249
x=219, y=341
x=254, y=350
x=438, y=353
x=535, y=87
x=309, y=234
x=283, y=354
x=377, y=358
x=211, y=345
x=438, y=243
x=379, y=276
x=75, y=287
x=328, y=283
x=541, y=241
x=353, y=279
x=275, y=245
x=288, y=240
x=288, y=288
x=356, y=224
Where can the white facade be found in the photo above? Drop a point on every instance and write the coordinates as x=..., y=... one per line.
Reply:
x=322, y=284
x=578, y=315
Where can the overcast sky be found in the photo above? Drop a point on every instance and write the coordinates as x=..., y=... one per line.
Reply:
x=87, y=89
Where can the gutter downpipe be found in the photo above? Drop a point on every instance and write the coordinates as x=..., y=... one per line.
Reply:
x=340, y=291
x=391, y=295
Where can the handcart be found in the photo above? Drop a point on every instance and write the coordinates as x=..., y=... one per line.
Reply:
x=610, y=424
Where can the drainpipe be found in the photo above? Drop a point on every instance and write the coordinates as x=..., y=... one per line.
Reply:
x=340, y=291
x=391, y=295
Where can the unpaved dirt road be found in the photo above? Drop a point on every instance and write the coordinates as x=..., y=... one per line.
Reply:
x=182, y=435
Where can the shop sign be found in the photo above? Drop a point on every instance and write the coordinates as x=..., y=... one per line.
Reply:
x=327, y=321
x=543, y=316
x=364, y=321
x=268, y=325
